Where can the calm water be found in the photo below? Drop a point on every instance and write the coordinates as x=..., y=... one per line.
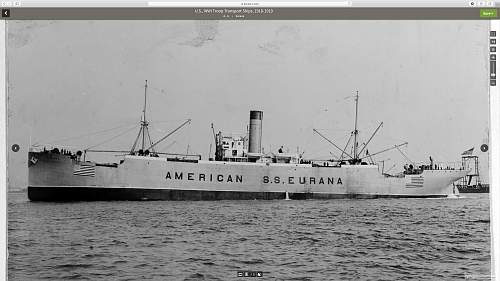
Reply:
x=387, y=239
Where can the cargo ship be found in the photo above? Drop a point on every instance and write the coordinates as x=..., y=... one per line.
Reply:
x=239, y=170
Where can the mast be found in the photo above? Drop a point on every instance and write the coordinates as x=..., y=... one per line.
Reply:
x=356, y=157
x=144, y=123
x=356, y=129
x=215, y=143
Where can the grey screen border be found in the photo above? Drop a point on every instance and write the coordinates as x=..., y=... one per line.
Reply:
x=267, y=13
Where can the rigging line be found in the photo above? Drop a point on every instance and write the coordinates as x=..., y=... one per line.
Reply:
x=343, y=152
x=168, y=146
x=371, y=159
x=136, y=139
x=165, y=121
x=390, y=169
x=343, y=99
x=92, y=133
x=155, y=89
x=169, y=134
x=317, y=132
x=371, y=137
x=408, y=159
x=387, y=149
x=150, y=141
x=329, y=129
x=121, y=134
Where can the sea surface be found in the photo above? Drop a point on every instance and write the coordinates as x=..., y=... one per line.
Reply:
x=374, y=239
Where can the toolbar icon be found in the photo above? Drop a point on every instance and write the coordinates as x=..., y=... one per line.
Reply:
x=5, y=13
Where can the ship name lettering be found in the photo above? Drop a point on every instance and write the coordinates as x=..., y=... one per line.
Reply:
x=302, y=180
x=204, y=177
x=265, y=179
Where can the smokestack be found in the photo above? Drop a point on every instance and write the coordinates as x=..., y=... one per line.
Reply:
x=255, y=132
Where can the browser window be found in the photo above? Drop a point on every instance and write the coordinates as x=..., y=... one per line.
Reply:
x=286, y=140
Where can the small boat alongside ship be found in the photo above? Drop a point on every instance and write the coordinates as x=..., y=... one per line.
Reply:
x=239, y=171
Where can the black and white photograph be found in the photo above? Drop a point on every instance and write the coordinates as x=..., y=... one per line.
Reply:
x=248, y=150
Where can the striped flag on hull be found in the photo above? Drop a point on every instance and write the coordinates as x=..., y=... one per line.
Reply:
x=86, y=170
x=417, y=181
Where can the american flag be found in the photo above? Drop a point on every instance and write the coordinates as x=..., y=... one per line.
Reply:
x=468, y=152
x=415, y=181
x=84, y=169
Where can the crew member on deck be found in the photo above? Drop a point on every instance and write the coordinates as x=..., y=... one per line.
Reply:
x=280, y=150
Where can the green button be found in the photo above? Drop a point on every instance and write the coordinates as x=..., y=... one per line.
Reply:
x=488, y=13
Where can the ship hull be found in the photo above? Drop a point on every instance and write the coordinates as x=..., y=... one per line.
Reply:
x=55, y=177
x=63, y=193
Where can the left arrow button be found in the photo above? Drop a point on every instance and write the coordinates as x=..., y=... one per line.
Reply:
x=5, y=13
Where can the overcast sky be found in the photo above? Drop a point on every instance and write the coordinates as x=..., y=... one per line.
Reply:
x=426, y=80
